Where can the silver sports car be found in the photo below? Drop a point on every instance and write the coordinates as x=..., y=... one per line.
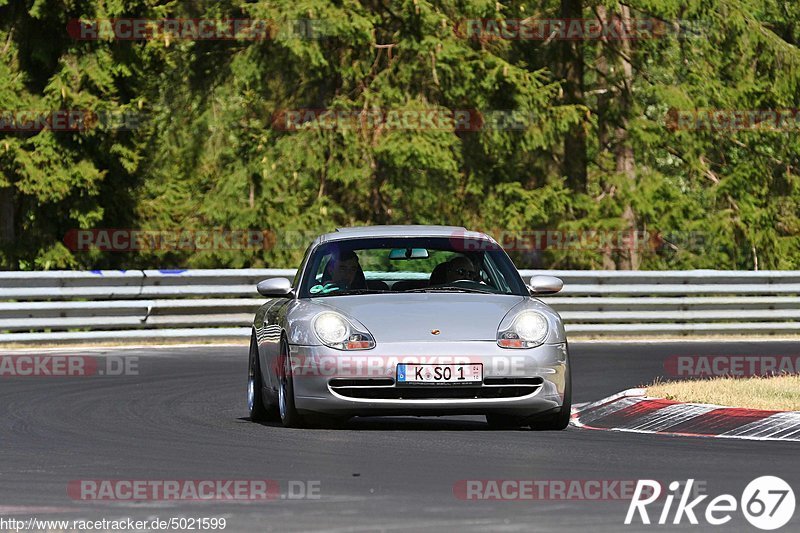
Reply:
x=408, y=320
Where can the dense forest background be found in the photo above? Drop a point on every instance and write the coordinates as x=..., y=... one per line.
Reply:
x=601, y=148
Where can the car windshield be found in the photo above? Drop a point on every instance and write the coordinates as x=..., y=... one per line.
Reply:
x=403, y=264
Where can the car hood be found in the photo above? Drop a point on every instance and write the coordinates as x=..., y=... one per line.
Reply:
x=409, y=317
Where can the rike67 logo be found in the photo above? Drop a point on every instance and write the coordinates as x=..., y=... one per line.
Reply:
x=767, y=503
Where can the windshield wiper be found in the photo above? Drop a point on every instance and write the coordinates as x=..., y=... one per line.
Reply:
x=448, y=289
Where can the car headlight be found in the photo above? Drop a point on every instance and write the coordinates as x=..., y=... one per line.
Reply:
x=331, y=328
x=336, y=331
x=528, y=330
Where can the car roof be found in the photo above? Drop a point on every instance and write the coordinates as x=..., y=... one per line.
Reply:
x=411, y=230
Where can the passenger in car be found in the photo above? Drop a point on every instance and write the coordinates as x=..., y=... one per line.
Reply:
x=439, y=274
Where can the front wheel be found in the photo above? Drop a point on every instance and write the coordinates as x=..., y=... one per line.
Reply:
x=290, y=418
x=258, y=410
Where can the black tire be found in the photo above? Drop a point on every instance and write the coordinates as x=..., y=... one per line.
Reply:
x=502, y=421
x=559, y=420
x=258, y=410
x=287, y=411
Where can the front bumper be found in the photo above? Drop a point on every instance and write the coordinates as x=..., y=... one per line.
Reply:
x=519, y=382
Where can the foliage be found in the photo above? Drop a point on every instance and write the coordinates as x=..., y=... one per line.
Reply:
x=208, y=153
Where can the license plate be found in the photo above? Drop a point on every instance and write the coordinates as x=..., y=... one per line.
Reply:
x=471, y=374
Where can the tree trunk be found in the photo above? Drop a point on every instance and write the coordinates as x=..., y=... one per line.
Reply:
x=626, y=163
x=604, y=98
x=571, y=65
x=6, y=215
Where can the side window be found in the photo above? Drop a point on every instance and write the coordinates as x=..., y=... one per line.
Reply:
x=316, y=270
x=296, y=280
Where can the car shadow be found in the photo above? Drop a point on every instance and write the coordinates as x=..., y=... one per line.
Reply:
x=400, y=423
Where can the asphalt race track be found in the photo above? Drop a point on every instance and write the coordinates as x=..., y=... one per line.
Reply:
x=182, y=417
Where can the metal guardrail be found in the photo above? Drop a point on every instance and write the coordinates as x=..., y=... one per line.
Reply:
x=160, y=304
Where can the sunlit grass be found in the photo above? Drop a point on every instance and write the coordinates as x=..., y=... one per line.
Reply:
x=776, y=393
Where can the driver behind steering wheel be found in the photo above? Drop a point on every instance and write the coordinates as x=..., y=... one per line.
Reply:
x=461, y=268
